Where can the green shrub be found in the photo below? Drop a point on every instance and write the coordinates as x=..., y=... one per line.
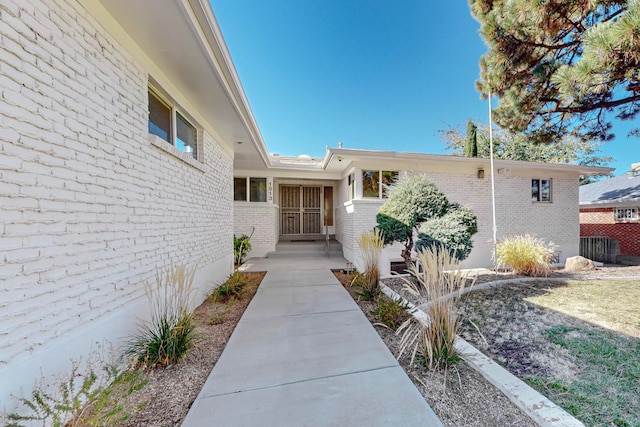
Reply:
x=411, y=201
x=452, y=231
x=440, y=282
x=526, y=255
x=241, y=248
x=233, y=287
x=416, y=205
x=390, y=313
x=170, y=333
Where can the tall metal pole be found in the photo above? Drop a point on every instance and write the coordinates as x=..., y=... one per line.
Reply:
x=493, y=188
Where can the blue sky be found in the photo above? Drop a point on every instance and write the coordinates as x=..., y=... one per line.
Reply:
x=375, y=74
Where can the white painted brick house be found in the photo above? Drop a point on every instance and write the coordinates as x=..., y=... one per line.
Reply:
x=536, y=198
x=118, y=126
x=127, y=144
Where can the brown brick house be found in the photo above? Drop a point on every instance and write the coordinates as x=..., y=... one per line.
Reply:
x=610, y=209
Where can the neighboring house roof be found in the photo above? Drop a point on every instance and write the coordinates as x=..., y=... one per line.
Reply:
x=623, y=189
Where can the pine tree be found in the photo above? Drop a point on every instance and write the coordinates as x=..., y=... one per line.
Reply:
x=511, y=146
x=561, y=67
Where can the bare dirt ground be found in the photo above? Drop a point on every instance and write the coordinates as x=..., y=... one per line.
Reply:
x=511, y=330
x=460, y=397
x=170, y=391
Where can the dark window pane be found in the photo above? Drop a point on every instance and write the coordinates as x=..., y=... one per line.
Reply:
x=545, y=190
x=389, y=179
x=159, y=118
x=258, y=189
x=535, y=190
x=187, y=139
x=240, y=189
x=370, y=184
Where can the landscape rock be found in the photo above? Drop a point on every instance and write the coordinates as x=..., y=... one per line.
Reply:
x=579, y=263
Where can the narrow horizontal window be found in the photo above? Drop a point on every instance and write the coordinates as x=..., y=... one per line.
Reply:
x=170, y=125
x=626, y=214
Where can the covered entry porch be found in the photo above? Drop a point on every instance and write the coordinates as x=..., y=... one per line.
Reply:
x=279, y=212
x=306, y=211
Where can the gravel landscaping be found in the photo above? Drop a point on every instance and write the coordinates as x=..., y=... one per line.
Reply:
x=459, y=397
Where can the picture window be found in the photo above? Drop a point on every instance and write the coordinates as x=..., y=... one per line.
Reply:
x=376, y=183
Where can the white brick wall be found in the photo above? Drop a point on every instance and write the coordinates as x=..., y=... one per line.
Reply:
x=89, y=207
x=262, y=219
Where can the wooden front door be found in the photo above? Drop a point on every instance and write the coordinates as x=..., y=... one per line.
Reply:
x=300, y=210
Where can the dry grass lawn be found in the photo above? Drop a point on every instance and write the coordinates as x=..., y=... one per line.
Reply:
x=576, y=341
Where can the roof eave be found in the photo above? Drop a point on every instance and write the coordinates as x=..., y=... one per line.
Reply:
x=364, y=154
x=209, y=25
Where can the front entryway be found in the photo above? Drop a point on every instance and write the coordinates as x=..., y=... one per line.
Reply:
x=300, y=211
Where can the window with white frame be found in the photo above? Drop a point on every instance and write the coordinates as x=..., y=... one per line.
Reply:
x=376, y=183
x=250, y=189
x=626, y=214
x=541, y=190
x=172, y=126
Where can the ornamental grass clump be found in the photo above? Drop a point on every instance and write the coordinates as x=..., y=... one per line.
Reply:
x=170, y=333
x=440, y=283
x=526, y=255
x=368, y=284
x=233, y=287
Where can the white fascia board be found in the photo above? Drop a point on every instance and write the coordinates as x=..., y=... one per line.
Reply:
x=210, y=32
x=629, y=203
x=413, y=158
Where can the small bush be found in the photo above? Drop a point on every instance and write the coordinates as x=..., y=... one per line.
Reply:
x=526, y=255
x=441, y=283
x=170, y=333
x=241, y=248
x=370, y=244
x=232, y=288
x=390, y=313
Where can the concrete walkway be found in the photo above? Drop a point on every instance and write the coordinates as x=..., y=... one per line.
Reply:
x=303, y=354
